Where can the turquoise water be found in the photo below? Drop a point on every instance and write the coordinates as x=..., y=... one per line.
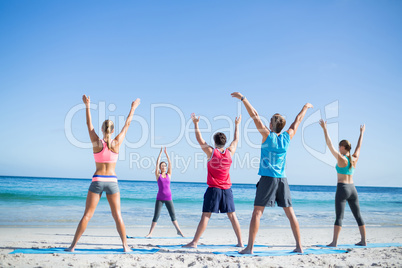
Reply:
x=61, y=202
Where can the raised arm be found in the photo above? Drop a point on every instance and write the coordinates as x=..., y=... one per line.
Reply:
x=293, y=127
x=92, y=134
x=328, y=141
x=120, y=137
x=158, y=160
x=233, y=145
x=204, y=146
x=169, y=171
x=253, y=114
x=359, y=143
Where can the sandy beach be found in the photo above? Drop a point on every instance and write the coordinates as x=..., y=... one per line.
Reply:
x=107, y=238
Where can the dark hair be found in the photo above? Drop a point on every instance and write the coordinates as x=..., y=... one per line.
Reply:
x=220, y=139
x=108, y=128
x=278, y=123
x=348, y=147
x=160, y=164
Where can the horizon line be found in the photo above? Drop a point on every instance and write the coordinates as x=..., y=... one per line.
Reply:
x=237, y=183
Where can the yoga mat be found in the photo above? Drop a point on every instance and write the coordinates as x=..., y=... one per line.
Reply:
x=206, y=246
x=82, y=251
x=371, y=245
x=157, y=237
x=282, y=252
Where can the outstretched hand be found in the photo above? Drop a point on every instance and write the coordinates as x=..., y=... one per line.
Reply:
x=194, y=118
x=166, y=151
x=86, y=100
x=308, y=105
x=238, y=120
x=323, y=124
x=237, y=95
x=135, y=103
x=362, y=128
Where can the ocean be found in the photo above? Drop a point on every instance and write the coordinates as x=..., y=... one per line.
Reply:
x=60, y=202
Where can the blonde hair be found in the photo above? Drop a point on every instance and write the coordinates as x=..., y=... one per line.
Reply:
x=108, y=127
x=348, y=147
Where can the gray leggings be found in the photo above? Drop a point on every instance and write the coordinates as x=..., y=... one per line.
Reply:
x=347, y=192
x=158, y=207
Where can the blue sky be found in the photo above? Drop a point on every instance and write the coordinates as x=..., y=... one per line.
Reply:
x=191, y=55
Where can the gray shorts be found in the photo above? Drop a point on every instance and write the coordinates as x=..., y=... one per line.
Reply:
x=270, y=190
x=98, y=187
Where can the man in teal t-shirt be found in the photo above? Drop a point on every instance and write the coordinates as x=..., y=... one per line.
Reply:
x=273, y=186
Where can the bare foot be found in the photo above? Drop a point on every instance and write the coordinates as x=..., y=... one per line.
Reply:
x=126, y=248
x=148, y=236
x=246, y=251
x=190, y=245
x=180, y=233
x=70, y=249
x=298, y=249
x=333, y=244
x=361, y=243
x=239, y=245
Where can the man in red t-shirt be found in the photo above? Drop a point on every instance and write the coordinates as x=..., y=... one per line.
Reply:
x=218, y=196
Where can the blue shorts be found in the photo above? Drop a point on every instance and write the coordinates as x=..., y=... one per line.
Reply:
x=218, y=200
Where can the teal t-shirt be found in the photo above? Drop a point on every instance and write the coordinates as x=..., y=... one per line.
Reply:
x=273, y=155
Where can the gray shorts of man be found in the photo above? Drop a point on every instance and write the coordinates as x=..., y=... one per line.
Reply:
x=271, y=190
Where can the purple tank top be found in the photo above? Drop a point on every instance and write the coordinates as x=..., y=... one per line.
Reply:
x=164, y=193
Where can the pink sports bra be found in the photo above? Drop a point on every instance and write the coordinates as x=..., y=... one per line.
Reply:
x=106, y=155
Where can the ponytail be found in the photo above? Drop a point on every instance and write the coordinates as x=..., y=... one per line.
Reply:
x=348, y=147
x=350, y=159
x=107, y=128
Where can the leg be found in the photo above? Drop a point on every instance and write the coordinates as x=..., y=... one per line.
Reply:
x=355, y=207
x=170, y=208
x=91, y=203
x=254, y=226
x=114, y=202
x=200, y=230
x=236, y=227
x=362, y=230
x=295, y=227
x=157, y=212
x=337, y=231
x=340, y=202
x=153, y=225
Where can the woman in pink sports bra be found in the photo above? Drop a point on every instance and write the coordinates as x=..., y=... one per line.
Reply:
x=106, y=152
x=163, y=174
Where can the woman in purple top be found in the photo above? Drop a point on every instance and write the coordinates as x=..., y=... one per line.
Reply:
x=163, y=174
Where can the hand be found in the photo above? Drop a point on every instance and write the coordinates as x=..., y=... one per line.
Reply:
x=323, y=124
x=238, y=120
x=362, y=128
x=237, y=95
x=308, y=105
x=165, y=151
x=86, y=100
x=194, y=118
x=161, y=150
x=135, y=103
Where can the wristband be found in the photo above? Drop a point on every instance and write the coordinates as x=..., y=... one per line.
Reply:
x=242, y=98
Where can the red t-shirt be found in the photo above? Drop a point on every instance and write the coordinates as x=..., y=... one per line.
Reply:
x=218, y=169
